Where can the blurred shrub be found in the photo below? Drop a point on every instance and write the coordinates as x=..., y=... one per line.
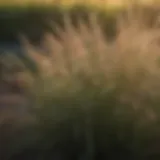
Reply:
x=93, y=96
x=99, y=97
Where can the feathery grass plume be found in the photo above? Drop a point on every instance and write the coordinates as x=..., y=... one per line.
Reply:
x=107, y=92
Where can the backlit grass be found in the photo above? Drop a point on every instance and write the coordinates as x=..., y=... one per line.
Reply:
x=99, y=95
x=91, y=96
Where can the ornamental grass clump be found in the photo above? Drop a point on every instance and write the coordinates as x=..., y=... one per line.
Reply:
x=96, y=96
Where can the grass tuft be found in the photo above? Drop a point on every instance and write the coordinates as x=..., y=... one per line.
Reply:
x=95, y=97
x=105, y=93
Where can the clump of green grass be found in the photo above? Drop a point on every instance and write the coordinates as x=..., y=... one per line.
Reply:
x=95, y=96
